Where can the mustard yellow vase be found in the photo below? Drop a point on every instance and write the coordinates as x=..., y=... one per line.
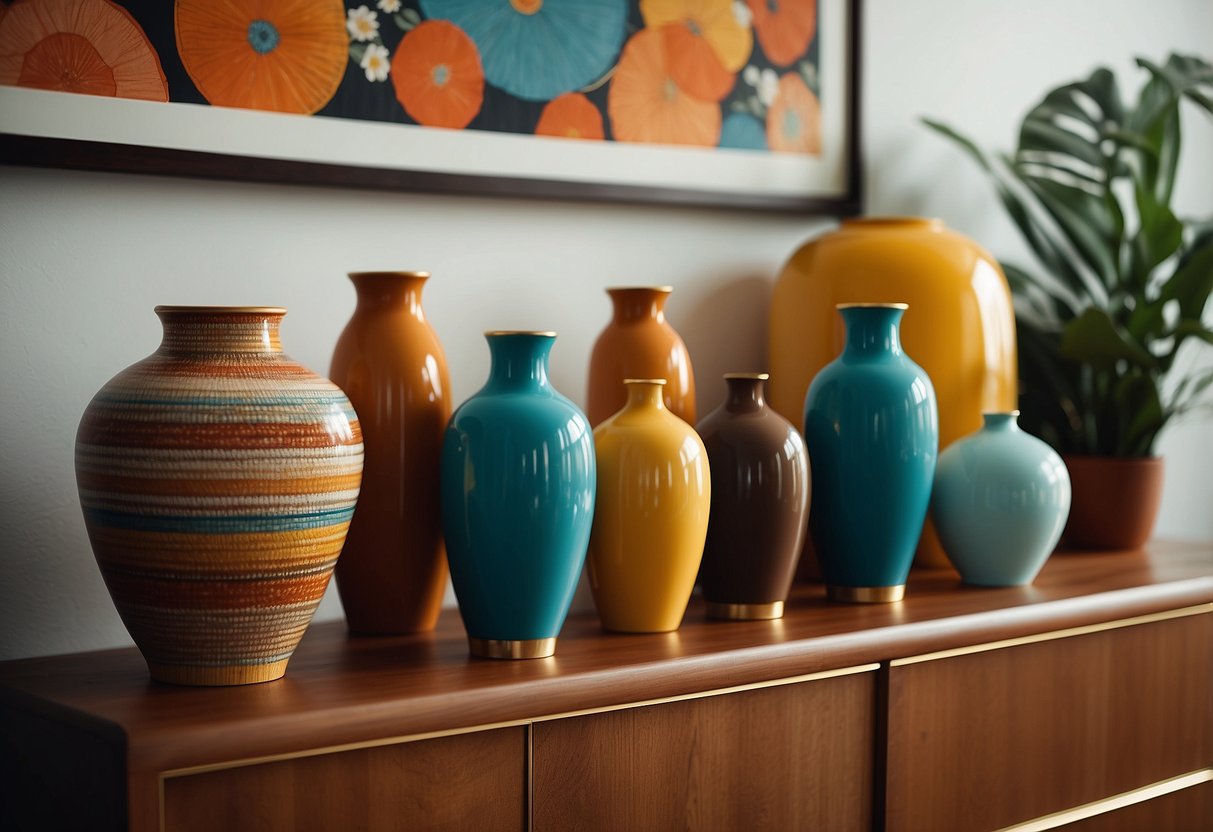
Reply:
x=651, y=514
x=962, y=331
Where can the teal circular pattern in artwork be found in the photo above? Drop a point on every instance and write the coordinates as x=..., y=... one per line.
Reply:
x=263, y=37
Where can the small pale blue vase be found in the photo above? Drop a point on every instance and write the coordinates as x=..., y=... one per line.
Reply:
x=518, y=480
x=1001, y=500
x=872, y=430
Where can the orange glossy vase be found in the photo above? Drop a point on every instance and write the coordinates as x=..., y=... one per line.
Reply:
x=962, y=332
x=392, y=573
x=639, y=343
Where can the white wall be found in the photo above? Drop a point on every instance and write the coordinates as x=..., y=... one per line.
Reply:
x=86, y=256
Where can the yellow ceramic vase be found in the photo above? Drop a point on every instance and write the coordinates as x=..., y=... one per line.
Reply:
x=650, y=514
x=962, y=331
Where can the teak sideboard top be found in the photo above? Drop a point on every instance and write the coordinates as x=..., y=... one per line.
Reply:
x=354, y=692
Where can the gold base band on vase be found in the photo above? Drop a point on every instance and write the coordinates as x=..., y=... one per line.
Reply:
x=866, y=594
x=248, y=674
x=746, y=612
x=531, y=648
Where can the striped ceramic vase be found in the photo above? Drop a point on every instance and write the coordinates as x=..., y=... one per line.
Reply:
x=218, y=478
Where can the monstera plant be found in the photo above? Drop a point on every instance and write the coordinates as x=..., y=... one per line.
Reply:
x=1121, y=282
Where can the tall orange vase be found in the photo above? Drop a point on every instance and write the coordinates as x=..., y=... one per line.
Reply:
x=962, y=331
x=392, y=573
x=639, y=343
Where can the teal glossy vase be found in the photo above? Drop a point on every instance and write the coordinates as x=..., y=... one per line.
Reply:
x=1001, y=500
x=871, y=426
x=518, y=480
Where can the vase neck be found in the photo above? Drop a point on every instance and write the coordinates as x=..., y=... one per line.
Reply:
x=645, y=393
x=388, y=291
x=639, y=303
x=519, y=359
x=202, y=330
x=745, y=392
x=1006, y=422
x=872, y=329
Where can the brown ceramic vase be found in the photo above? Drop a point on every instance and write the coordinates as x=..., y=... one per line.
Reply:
x=760, y=503
x=1115, y=501
x=639, y=343
x=392, y=573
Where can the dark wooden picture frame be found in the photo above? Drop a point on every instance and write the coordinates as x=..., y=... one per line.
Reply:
x=54, y=129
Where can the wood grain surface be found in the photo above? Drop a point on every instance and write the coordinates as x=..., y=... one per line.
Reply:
x=1189, y=810
x=792, y=757
x=475, y=782
x=342, y=690
x=986, y=740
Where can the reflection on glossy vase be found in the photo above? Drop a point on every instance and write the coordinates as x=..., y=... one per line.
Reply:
x=392, y=573
x=218, y=478
x=1000, y=501
x=654, y=497
x=760, y=503
x=639, y=343
x=961, y=330
x=872, y=430
x=518, y=481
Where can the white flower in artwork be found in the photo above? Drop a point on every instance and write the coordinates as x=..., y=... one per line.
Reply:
x=751, y=75
x=768, y=87
x=389, y=6
x=742, y=13
x=375, y=62
x=363, y=24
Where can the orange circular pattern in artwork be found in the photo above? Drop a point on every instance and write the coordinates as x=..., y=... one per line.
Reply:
x=785, y=27
x=794, y=120
x=288, y=56
x=93, y=47
x=705, y=43
x=570, y=116
x=437, y=75
x=646, y=104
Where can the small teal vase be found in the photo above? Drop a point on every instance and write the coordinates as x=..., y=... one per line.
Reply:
x=871, y=426
x=1001, y=499
x=518, y=478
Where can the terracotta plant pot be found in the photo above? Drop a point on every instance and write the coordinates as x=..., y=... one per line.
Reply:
x=1115, y=501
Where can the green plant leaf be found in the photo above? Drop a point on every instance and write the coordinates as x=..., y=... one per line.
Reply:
x=1192, y=328
x=965, y=143
x=1192, y=282
x=1137, y=398
x=1085, y=221
x=1160, y=234
x=1094, y=338
x=1049, y=306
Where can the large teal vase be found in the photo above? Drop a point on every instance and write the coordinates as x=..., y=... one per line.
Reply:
x=871, y=426
x=1001, y=500
x=518, y=478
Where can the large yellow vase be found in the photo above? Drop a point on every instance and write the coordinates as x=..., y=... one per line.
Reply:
x=650, y=514
x=960, y=328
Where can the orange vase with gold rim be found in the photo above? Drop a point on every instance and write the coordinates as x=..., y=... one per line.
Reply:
x=392, y=574
x=639, y=343
x=962, y=331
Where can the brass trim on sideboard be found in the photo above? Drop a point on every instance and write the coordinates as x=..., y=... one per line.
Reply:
x=512, y=723
x=1183, y=612
x=1111, y=804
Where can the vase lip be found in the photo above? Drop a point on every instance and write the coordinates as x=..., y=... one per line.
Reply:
x=841, y=306
x=663, y=289
x=539, y=333
x=747, y=376
x=1011, y=414
x=658, y=381
x=423, y=275
x=894, y=220
x=171, y=309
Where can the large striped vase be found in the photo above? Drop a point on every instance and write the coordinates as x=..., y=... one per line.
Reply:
x=218, y=478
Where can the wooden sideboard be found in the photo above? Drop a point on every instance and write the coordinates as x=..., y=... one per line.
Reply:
x=1083, y=702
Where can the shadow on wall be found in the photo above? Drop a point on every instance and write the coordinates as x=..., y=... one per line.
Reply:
x=726, y=332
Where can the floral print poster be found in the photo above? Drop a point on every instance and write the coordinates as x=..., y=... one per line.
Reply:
x=733, y=74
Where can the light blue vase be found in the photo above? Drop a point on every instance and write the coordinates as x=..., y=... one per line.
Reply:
x=1001, y=499
x=518, y=479
x=872, y=430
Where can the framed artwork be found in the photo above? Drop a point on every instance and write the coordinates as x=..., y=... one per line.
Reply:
x=740, y=103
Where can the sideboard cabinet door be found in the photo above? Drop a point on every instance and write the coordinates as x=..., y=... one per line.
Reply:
x=474, y=782
x=795, y=756
x=994, y=738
